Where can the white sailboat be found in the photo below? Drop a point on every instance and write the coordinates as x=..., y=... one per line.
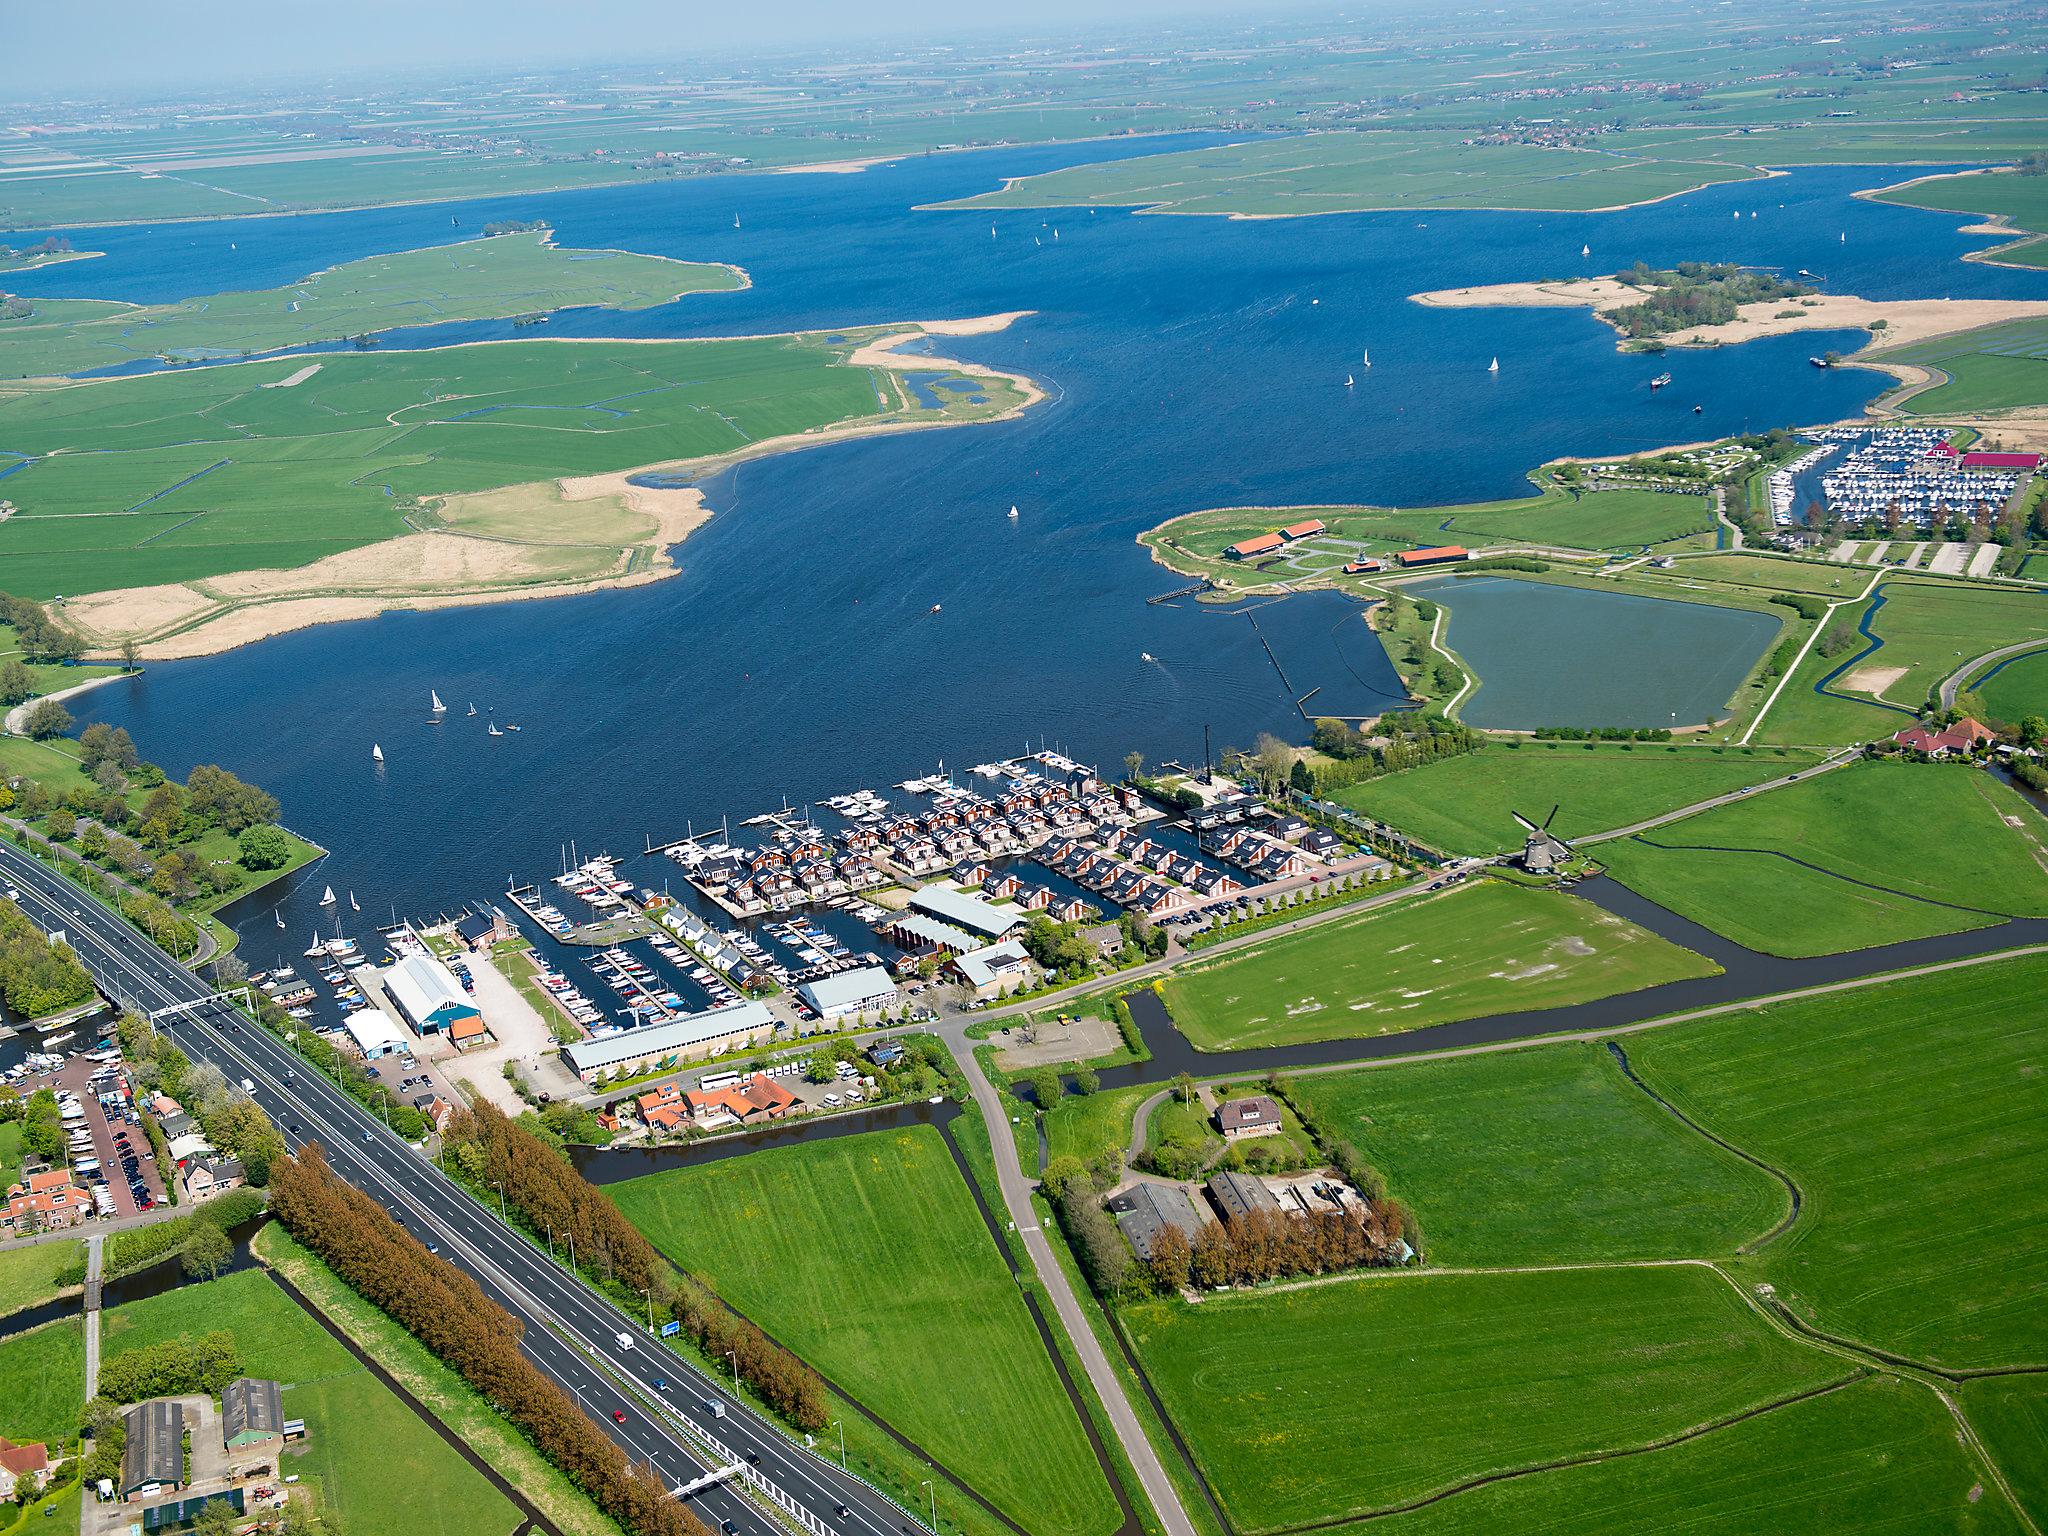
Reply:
x=439, y=707
x=1013, y=513
x=1055, y=231
x=280, y=918
x=735, y=221
x=494, y=729
x=472, y=709
x=352, y=902
x=991, y=231
x=1585, y=250
x=1365, y=358
x=327, y=897
x=1494, y=366
x=1349, y=381
x=376, y=753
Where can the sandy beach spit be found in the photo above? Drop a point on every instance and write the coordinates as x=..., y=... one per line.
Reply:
x=1905, y=320
x=450, y=567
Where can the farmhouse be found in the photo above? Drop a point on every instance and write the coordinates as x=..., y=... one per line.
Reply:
x=1964, y=736
x=19, y=1461
x=1306, y=529
x=207, y=1178
x=1256, y=1116
x=1146, y=1210
x=46, y=1202
x=717, y=1030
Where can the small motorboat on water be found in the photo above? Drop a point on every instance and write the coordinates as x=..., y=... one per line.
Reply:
x=935, y=608
x=1660, y=381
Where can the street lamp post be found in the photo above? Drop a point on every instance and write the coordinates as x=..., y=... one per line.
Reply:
x=932, y=1488
x=501, y=1198
x=733, y=1356
x=648, y=1292
x=840, y=1425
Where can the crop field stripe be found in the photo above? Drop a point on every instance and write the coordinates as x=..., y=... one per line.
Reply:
x=1563, y=1463
x=1791, y=1216
x=1819, y=869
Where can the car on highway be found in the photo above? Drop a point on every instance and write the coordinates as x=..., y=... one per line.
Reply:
x=618, y=1415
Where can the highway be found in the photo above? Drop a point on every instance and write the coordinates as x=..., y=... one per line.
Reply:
x=570, y=1330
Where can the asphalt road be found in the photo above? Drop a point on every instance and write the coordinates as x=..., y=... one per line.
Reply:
x=570, y=1331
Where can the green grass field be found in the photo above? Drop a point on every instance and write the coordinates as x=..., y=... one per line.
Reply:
x=28, y=1273
x=1543, y=1156
x=375, y=1463
x=42, y=1381
x=1342, y=1398
x=866, y=1255
x=1598, y=520
x=1879, y=1456
x=507, y=275
x=1882, y=1105
x=177, y=478
x=1896, y=850
x=1478, y=949
x=2018, y=689
x=1810, y=576
x=1467, y=804
x=2011, y=1414
x=1084, y=1124
x=1349, y=172
x=1995, y=368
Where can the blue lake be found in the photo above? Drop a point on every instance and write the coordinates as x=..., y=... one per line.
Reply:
x=1191, y=363
x=1550, y=655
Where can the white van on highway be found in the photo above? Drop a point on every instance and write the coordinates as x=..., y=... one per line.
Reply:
x=625, y=1340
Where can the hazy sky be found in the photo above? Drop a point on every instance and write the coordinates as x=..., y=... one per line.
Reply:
x=101, y=47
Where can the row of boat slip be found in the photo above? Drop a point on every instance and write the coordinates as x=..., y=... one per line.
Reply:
x=340, y=948
x=812, y=944
x=572, y=1002
x=550, y=917
x=861, y=805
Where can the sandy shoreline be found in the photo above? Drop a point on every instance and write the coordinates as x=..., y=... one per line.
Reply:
x=1905, y=320
x=452, y=567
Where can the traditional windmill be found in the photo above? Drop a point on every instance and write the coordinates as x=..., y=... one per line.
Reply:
x=1543, y=853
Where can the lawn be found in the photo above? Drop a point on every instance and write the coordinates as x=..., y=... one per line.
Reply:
x=508, y=275
x=1884, y=1104
x=28, y=1273
x=1879, y=1456
x=1339, y=1398
x=1467, y=804
x=1085, y=1124
x=1809, y=576
x=204, y=472
x=2018, y=688
x=1995, y=368
x=1868, y=854
x=1543, y=1156
x=42, y=1381
x=1478, y=949
x=375, y=1463
x=866, y=1255
x=10, y=1152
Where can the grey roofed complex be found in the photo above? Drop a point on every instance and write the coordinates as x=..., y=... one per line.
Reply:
x=1145, y=1211
x=1239, y=1194
x=251, y=1408
x=155, y=1451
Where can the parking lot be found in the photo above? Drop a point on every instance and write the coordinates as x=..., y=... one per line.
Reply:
x=108, y=1149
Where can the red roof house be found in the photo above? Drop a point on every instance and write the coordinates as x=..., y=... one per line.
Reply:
x=1439, y=554
x=1964, y=735
x=1981, y=460
x=1264, y=544
x=1304, y=530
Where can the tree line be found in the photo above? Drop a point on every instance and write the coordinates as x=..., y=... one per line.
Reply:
x=172, y=1369
x=1402, y=738
x=491, y=1152
x=449, y=1313
x=36, y=976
